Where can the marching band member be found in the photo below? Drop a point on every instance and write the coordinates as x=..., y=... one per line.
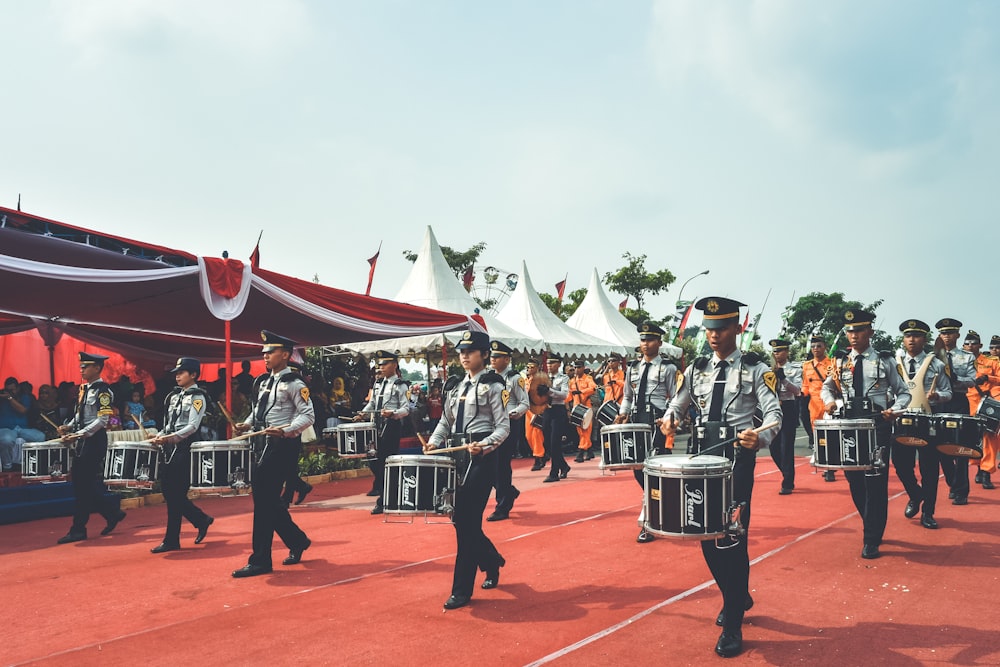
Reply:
x=727, y=390
x=516, y=409
x=537, y=404
x=476, y=412
x=987, y=386
x=649, y=385
x=961, y=366
x=814, y=372
x=925, y=376
x=282, y=409
x=556, y=421
x=87, y=429
x=613, y=380
x=389, y=404
x=581, y=388
x=865, y=375
x=789, y=374
x=183, y=410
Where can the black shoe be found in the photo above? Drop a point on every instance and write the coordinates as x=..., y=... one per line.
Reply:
x=579, y=457
x=830, y=476
x=987, y=482
x=590, y=454
x=911, y=509
x=378, y=509
x=163, y=547
x=112, y=523
x=870, y=551
x=203, y=531
x=250, y=571
x=456, y=601
x=960, y=500
x=302, y=494
x=550, y=478
x=784, y=492
x=373, y=493
x=720, y=620
x=72, y=537
x=951, y=495
x=643, y=537
x=498, y=516
x=564, y=472
x=295, y=555
x=927, y=521
x=730, y=644
x=493, y=576
x=979, y=477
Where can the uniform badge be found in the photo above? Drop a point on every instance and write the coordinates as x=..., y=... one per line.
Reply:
x=911, y=324
x=104, y=404
x=680, y=381
x=467, y=335
x=712, y=306
x=849, y=315
x=482, y=389
x=104, y=399
x=407, y=394
x=304, y=393
x=520, y=382
x=771, y=380
x=505, y=396
x=495, y=346
x=198, y=404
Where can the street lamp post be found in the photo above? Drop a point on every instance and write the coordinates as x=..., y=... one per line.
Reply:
x=680, y=301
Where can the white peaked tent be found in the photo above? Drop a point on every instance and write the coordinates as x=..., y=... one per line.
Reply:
x=432, y=281
x=598, y=317
x=525, y=311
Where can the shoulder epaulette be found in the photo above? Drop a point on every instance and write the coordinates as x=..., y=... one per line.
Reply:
x=751, y=358
x=885, y=354
x=491, y=377
x=451, y=383
x=700, y=363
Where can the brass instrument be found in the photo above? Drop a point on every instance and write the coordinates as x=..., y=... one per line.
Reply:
x=537, y=402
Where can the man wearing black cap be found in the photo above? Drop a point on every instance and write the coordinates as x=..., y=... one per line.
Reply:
x=183, y=411
x=861, y=381
x=555, y=422
x=282, y=410
x=789, y=374
x=517, y=406
x=581, y=388
x=987, y=386
x=726, y=391
x=475, y=413
x=389, y=404
x=930, y=391
x=87, y=430
x=650, y=384
x=814, y=372
x=961, y=366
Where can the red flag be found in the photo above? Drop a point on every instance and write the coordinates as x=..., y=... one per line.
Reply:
x=621, y=306
x=255, y=255
x=746, y=322
x=468, y=277
x=561, y=288
x=371, y=269
x=684, y=321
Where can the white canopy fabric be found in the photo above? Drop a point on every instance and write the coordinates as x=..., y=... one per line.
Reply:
x=525, y=311
x=432, y=281
x=597, y=316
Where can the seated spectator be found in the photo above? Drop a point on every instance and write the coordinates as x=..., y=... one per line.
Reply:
x=46, y=412
x=14, y=431
x=135, y=409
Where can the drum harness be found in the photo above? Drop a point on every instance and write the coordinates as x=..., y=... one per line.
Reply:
x=857, y=405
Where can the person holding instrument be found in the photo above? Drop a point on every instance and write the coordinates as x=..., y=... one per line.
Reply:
x=389, y=403
x=860, y=381
x=726, y=390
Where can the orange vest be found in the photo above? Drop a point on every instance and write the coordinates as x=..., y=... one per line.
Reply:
x=614, y=386
x=813, y=374
x=586, y=386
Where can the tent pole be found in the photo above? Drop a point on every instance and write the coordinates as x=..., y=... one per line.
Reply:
x=229, y=376
x=52, y=365
x=444, y=357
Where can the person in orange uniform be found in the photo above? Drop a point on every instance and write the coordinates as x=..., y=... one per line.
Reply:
x=537, y=404
x=581, y=388
x=613, y=380
x=814, y=372
x=987, y=385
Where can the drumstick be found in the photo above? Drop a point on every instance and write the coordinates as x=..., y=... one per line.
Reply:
x=423, y=443
x=759, y=429
x=262, y=432
x=458, y=448
x=51, y=423
x=227, y=414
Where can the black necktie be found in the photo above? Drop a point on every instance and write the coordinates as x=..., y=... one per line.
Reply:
x=641, y=402
x=262, y=400
x=913, y=368
x=859, y=378
x=719, y=388
x=460, y=415
x=951, y=368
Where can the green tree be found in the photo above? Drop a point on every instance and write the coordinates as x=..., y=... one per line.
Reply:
x=634, y=280
x=569, y=304
x=458, y=261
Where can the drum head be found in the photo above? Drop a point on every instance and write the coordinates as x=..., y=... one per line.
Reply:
x=360, y=426
x=218, y=445
x=627, y=428
x=419, y=460
x=696, y=466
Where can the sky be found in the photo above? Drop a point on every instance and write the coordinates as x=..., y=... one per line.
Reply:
x=787, y=147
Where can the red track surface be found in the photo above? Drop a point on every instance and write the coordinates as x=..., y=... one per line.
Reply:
x=577, y=589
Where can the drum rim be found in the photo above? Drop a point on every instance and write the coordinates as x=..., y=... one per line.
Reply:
x=821, y=423
x=614, y=428
x=137, y=446
x=682, y=463
x=430, y=458
x=212, y=445
x=357, y=426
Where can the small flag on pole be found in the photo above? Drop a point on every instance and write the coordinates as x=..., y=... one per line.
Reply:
x=622, y=305
x=561, y=288
x=371, y=269
x=468, y=277
x=684, y=321
x=255, y=255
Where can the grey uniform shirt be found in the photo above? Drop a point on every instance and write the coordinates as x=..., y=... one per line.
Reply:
x=518, y=403
x=185, y=411
x=559, y=388
x=287, y=401
x=661, y=385
x=963, y=367
x=936, y=369
x=791, y=387
x=389, y=394
x=745, y=391
x=97, y=409
x=484, y=412
x=879, y=377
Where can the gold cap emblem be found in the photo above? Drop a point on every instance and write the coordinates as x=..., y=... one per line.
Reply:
x=712, y=306
x=911, y=324
x=849, y=315
x=467, y=335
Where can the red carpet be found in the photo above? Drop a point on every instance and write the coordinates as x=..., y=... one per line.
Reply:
x=577, y=589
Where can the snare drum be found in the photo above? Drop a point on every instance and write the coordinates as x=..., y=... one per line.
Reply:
x=581, y=416
x=608, y=412
x=688, y=498
x=959, y=435
x=356, y=441
x=844, y=444
x=914, y=429
x=220, y=464
x=131, y=464
x=989, y=412
x=45, y=461
x=419, y=484
x=625, y=446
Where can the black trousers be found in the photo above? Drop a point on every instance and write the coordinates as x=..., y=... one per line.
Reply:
x=270, y=514
x=956, y=468
x=730, y=563
x=903, y=459
x=388, y=445
x=88, y=483
x=504, y=453
x=475, y=550
x=175, y=481
x=870, y=492
x=783, y=446
x=295, y=483
x=555, y=424
x=658, y=443
x=805, y=418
